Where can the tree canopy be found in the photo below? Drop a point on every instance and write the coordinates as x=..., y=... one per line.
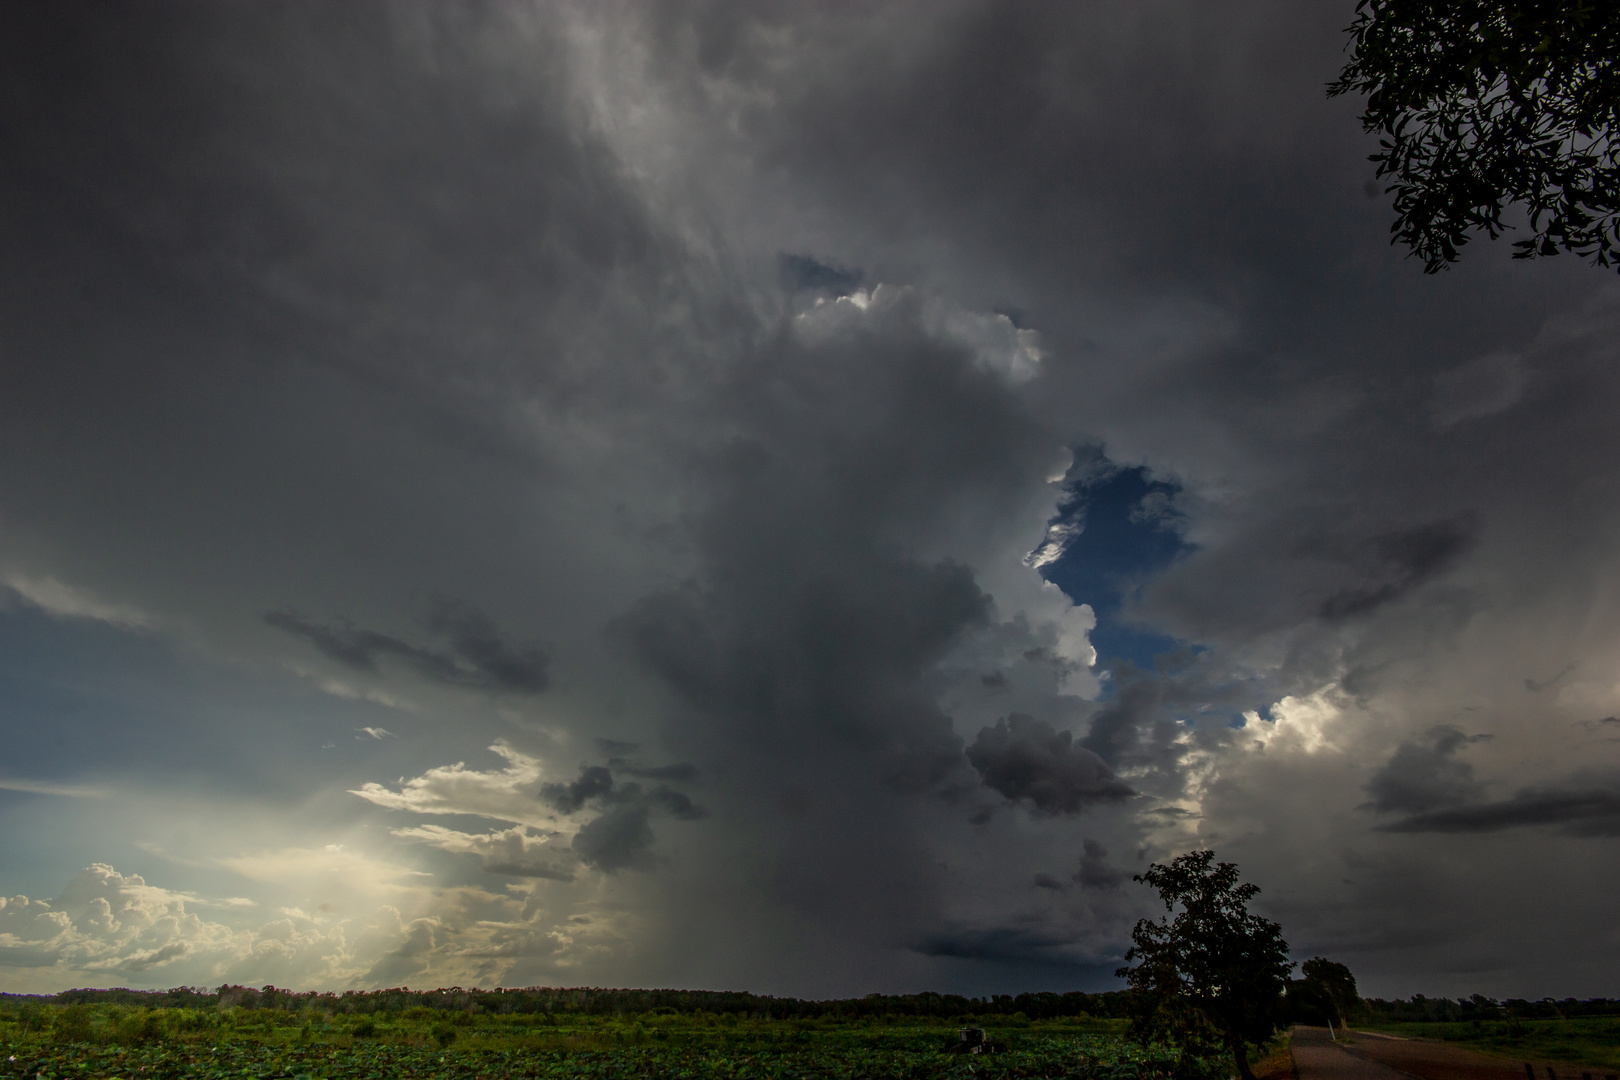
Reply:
x=1481, y=106
x=1213, y=976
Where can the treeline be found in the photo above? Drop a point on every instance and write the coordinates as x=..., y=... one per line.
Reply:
x=1418, y=1008
x=598, y=1001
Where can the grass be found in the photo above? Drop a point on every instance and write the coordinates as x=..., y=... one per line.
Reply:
x=1593, y=1040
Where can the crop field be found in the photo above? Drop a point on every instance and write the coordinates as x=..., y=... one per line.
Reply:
x=58, y=1042
x=1588, y=1040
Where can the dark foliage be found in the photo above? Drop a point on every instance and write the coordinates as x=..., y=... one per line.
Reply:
x=1215, y=974
x=1484, y=105
x=599, y=1001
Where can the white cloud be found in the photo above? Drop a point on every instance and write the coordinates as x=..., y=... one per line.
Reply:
x=508, y=795
x=111, y=929
x=998, y=344
x=1302, y=724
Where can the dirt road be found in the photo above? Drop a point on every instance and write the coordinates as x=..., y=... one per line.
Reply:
x=1317, y=1057
x=1394, y=1058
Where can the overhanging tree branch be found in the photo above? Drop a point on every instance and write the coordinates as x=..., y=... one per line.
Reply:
x=1481, y=106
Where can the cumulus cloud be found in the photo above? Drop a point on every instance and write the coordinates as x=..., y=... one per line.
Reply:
x=390, y=928
x=108, y=926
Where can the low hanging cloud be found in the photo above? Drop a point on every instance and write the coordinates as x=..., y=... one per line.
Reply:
x=1583, y=811
x=1028, y=760
x=480, y=656
x=1039, y=942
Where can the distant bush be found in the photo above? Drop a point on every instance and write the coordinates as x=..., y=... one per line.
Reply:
x=73, y=1024
x=138, y=1027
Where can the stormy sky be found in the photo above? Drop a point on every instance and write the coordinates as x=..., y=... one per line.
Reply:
x=807, y=498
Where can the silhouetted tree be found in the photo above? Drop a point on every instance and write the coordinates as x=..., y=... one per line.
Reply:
x=1483, y=105
x=1334, y=984
x=1214, y=974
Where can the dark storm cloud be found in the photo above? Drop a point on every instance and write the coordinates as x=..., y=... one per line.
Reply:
x=1576, y=811
x=999, y=944
x=816, y=619
x=594, y=782
x=617, y=839
x=1403, y=560
x=620, y=836
x=1026, y=759
x=480, y=656
x=682, y=772
x=421, y=213
x=475, y=639
x=1425, y=774
x=1117, y=728
x=1095, y=872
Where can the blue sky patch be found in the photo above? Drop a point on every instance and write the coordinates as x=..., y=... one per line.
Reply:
x=1118, y=528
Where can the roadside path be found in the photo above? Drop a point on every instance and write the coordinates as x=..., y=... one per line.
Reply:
x=1318, y=1057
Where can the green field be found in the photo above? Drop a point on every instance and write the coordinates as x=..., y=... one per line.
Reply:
x=55, y=1042
x=1591, y=1040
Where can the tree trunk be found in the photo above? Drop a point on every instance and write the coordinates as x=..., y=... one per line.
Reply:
x=1240, y=1054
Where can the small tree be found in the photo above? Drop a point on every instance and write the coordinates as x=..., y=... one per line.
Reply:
x=1214, y=975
